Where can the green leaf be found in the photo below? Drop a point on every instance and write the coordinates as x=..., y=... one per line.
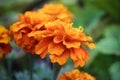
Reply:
x=115, y=71
x=111, y=43
x=9, y=2
x=69, y=2
x=109, y=46
x=112, y=31
x=88, y=16
x=110, y=6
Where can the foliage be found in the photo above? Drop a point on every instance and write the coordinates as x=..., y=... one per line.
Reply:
x=111, y=41
x=115, y=71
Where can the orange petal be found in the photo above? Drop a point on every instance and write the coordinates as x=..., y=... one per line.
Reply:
x=17, y=26
x=4, y=38
x=42, y=46
x=56, y=49
x=60, y=59
x=73, y=55
x=5, y=48
x=90, y=45
x=63, y=77
x=43, y=54
x=79, y=53
x=36, y=34
x=71, y=43
x=86, y=55
x=89, y=38
x=79, y=63
x=1, y=54
x=82, y=55
x=3, y=29
x=58, y=39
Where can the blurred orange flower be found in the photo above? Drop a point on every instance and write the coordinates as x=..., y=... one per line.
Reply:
x=61, y=40
x=50, y=30
x=26, y=30
x=58, y=11
x=76, y=75
x=22, y=28
x=5, y=47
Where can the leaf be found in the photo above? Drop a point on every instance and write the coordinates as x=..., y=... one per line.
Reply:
x=112, y=31
x=111, y=43
x=115, y=71
x=88, y=17
x=9, y=2
x=110, y=6
x=69, y=2
x=109, y=46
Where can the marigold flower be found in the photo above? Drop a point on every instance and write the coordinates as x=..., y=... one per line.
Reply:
x=23, y=27
x=26, y=30
x=76, y=75
x=5, y=47
x=61, y=40
x=28, y=24
x=58, y=11
x=44, y=31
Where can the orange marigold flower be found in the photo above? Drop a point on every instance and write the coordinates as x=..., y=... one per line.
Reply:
x=28, y=24
x=44, y=31
x=76, y=75
x=23, y=27
x=61, y=40
x=26, y=30
x=5, y=47
x=58, y=11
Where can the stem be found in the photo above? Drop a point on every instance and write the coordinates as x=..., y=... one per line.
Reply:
x=31, y=60
x=9, y=63
x=56, y=68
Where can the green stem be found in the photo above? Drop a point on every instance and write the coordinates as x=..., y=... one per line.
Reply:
x=30, y=65
x=56, y=68
x=9, y=63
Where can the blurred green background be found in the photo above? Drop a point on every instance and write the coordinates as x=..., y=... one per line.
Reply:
x=100, y=19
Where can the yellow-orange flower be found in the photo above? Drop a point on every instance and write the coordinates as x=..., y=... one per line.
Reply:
x=44, y=31
x=76, y=75
x=5, y=47
x=28, y=23
x=61, y=40
x=26, y=30
x=23, y=27
x=58, y=11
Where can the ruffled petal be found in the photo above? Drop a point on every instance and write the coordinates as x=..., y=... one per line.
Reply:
x=42, y=46
x=79, y=63
x=90, y=45
x=82, y=56
x=56, y=49
x=62, y=59
x=5, y=38
x=69, y=43
x=18, y=26
x=5, y=48
x=75, y=74
x=73, y=55
x=58, y=39
x=44, y=53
